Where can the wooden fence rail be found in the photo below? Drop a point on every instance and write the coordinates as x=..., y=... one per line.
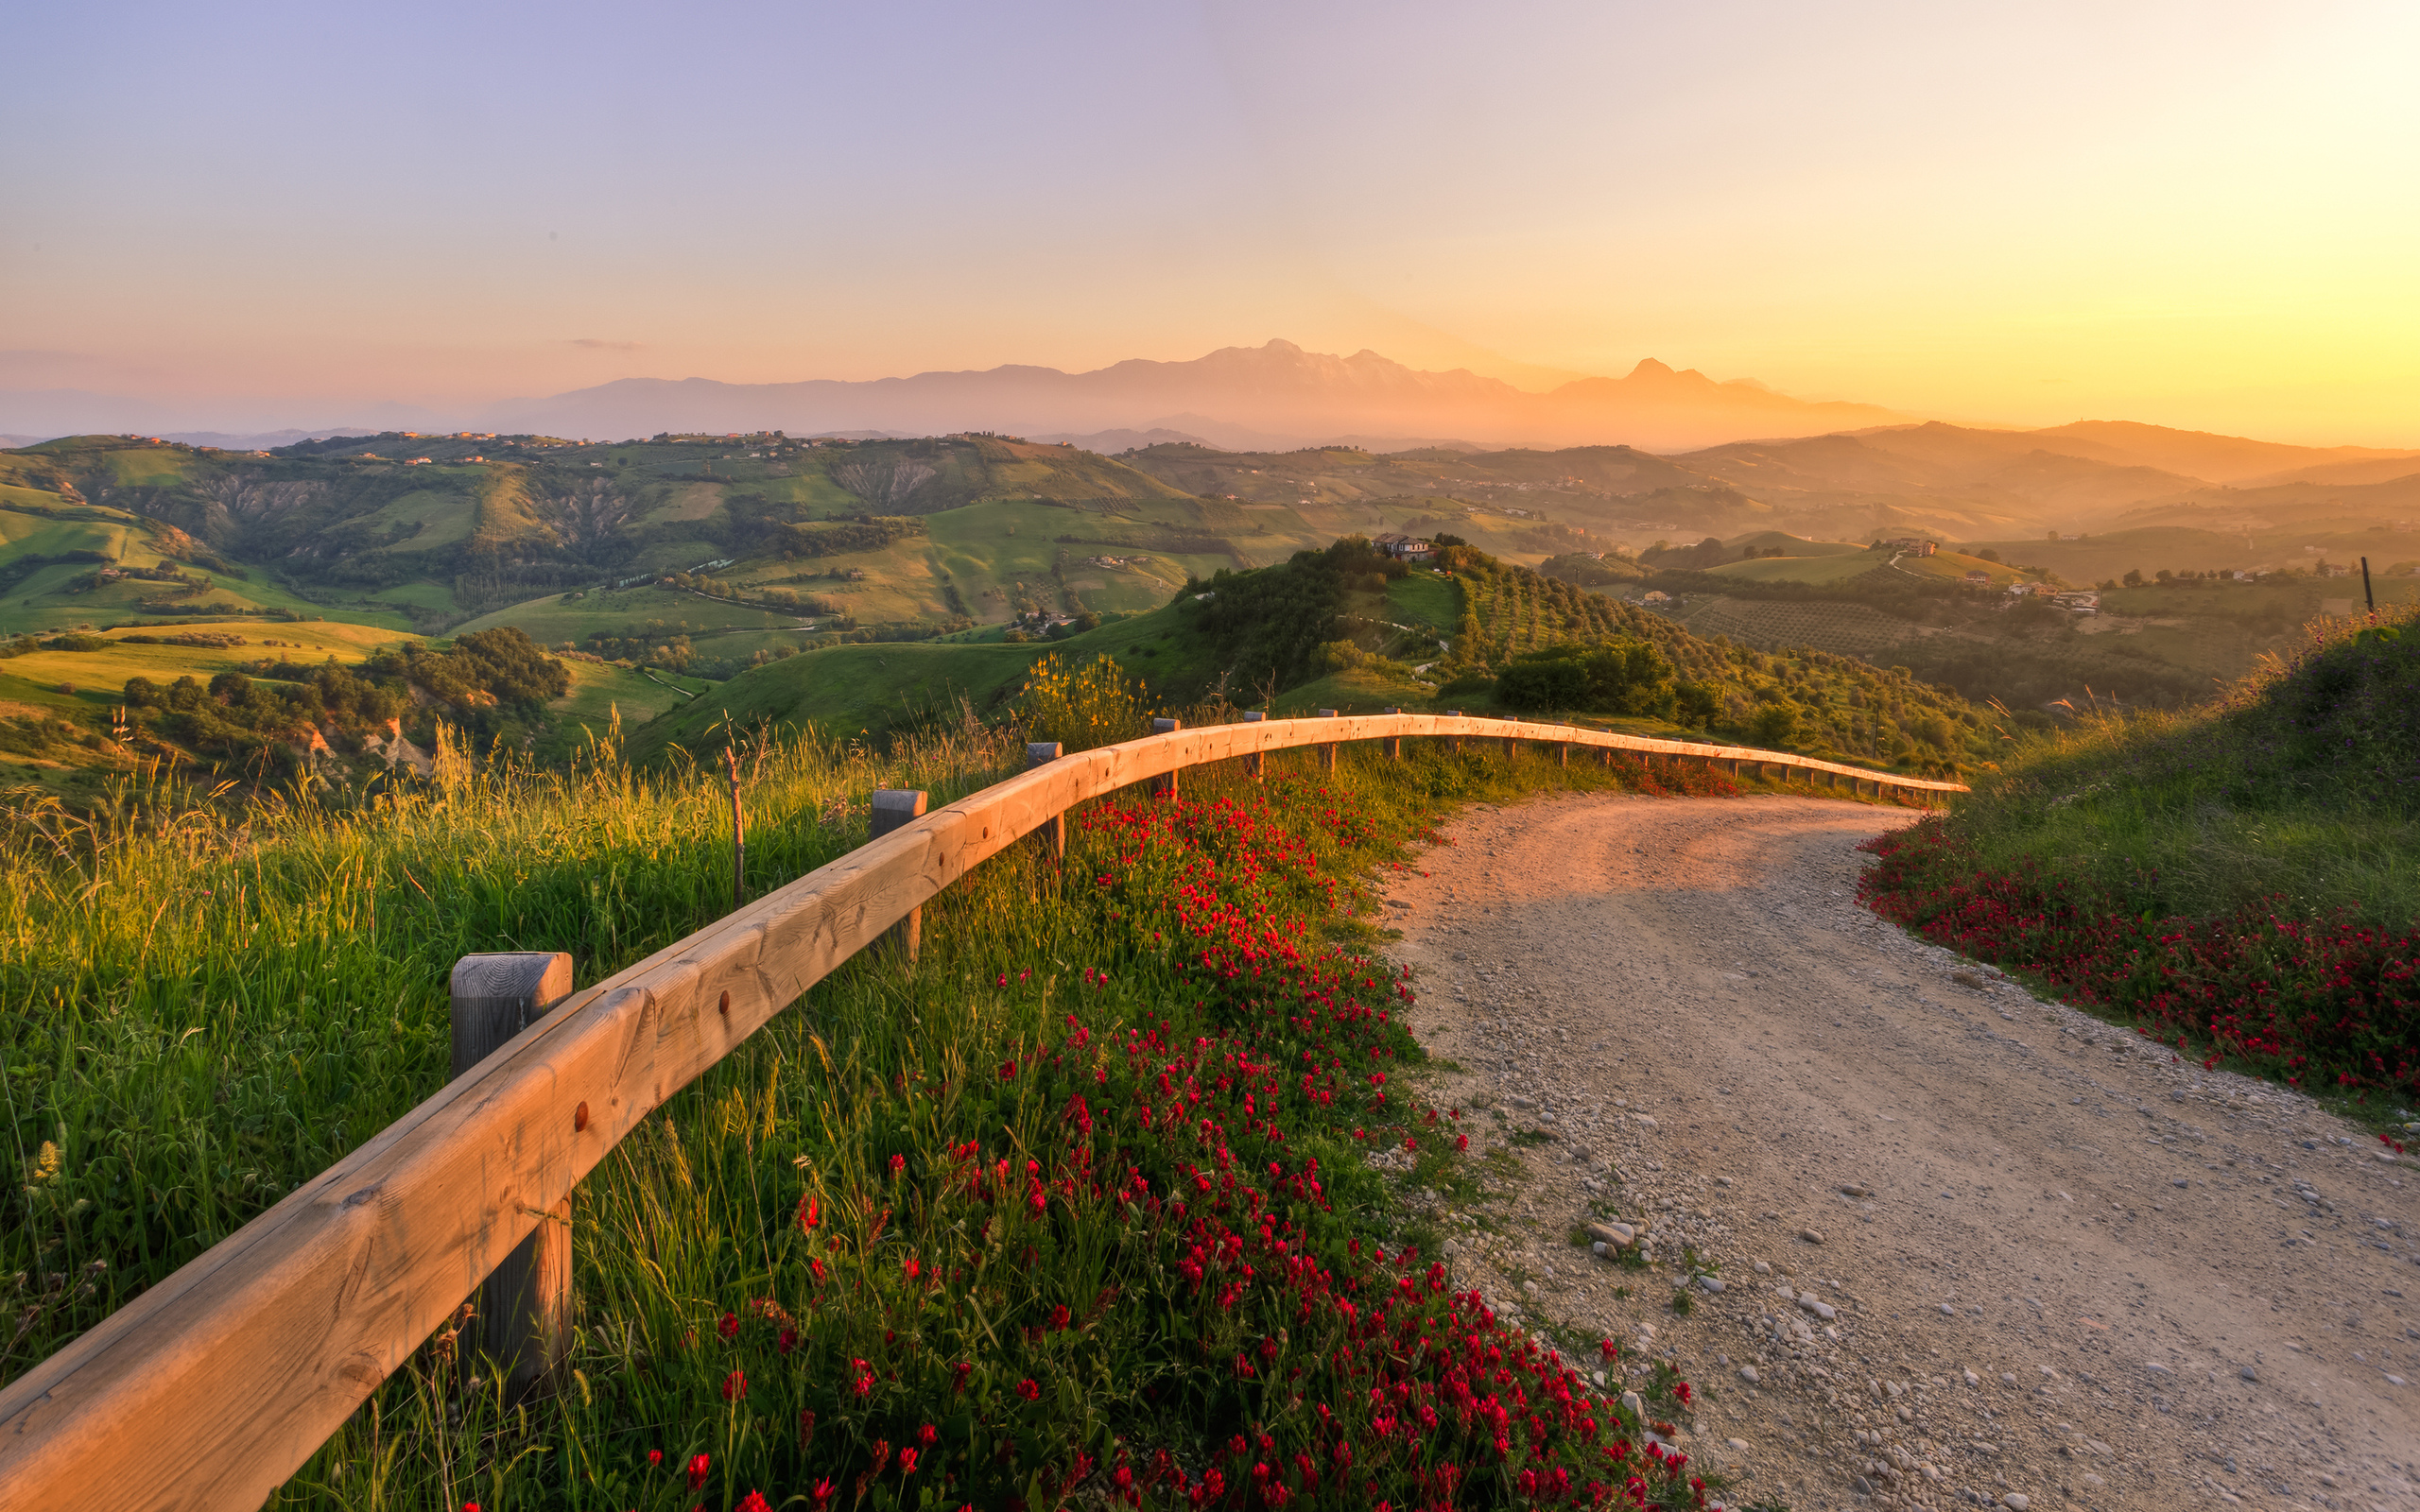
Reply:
x=212, y=1388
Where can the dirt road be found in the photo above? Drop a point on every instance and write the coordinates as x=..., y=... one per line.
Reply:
x=1973, y=1247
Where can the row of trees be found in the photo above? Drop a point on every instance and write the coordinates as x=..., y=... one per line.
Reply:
x=485, y=682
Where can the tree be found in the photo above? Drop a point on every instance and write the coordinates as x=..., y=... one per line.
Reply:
x=1774, y=723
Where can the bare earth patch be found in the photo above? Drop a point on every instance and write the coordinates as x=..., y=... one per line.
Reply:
x=1972, y=1248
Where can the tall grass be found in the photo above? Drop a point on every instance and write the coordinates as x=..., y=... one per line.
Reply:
x=206, y=1006
x=2299, y=787
x=1079, y=1202
x=2236, y=882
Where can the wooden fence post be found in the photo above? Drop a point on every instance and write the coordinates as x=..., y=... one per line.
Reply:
x=1164, y=786
x=895, y=808
x=1512, y=748
x=1563, y=750
x=1394, y=743
x=1051, y=833
x=1252, y=761
x=1455, y=713
x=1327, y=752
x=522, y=1314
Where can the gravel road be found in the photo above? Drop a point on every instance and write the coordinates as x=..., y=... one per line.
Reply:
x=1973, y=1247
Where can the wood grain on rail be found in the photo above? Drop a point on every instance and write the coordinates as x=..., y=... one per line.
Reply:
x=212, y=1388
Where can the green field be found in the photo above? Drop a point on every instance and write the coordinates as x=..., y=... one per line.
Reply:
x=1801, y=569
x=881, y=690
x=425, y=520
x=600, y=690
x=419, y=596
x=1952, y=564
x=40, y=604
x=1790, y=545
x=558, y=617
x=1425, y=598
x=846, y=692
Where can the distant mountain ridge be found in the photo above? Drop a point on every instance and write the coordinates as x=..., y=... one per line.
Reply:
x=1259, y=397
x=1279, y=397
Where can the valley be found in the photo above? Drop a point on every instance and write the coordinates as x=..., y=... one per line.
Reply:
x=681, y=578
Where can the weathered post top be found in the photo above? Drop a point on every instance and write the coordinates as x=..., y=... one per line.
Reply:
x=522, y=1314
x=495, y=997
x=1166, y=782
x=895, y=808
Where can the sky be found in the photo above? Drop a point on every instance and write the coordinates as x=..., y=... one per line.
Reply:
x=2196, y=215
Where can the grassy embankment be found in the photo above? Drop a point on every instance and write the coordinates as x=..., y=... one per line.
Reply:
x=1084, y=1188
x=2235, y=880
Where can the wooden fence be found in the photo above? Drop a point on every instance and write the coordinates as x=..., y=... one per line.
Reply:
x=212, y=1388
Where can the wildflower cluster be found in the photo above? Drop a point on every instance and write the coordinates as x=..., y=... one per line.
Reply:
x=2203, y=875
x=1133, y=1258
x=1083, y=707
x=2325, y=1001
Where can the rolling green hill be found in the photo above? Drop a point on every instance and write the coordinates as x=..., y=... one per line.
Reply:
x=1345, y=628
x=707, y=557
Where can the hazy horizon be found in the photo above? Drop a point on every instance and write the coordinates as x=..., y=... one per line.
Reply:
x=269, y=215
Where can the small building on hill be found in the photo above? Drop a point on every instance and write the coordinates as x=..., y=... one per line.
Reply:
x=1405, y=548
x=1978, y=579
x=1916, y=546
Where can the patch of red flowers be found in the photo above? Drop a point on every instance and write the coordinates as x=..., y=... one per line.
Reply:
x=1162, y=1202
x=2331, y=1002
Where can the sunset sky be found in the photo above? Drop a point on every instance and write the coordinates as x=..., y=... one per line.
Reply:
x=2193, y=213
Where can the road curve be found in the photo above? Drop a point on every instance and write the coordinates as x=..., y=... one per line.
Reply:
x=2059, y=1266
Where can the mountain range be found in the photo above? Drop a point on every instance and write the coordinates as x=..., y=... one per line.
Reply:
x=1273, y=396
x=1269, y=397
x=1257, y=398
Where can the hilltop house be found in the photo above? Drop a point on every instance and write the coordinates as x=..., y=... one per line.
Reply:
x=1978, y=579
x=1405, y=548
x=1911, y=544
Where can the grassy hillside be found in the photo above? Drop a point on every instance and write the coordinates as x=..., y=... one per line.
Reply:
x=2235, y=880
x=1829, y=569
x=1344, y=629
x=1008, y=1276
x=2173, y=641
x=1806, y=699
x=847, y=692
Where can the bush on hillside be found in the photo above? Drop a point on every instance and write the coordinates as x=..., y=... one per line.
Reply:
x=1081, y=708
x=1269, y=626
x=501, y=665
x=1618, y=678
x=488, y=680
